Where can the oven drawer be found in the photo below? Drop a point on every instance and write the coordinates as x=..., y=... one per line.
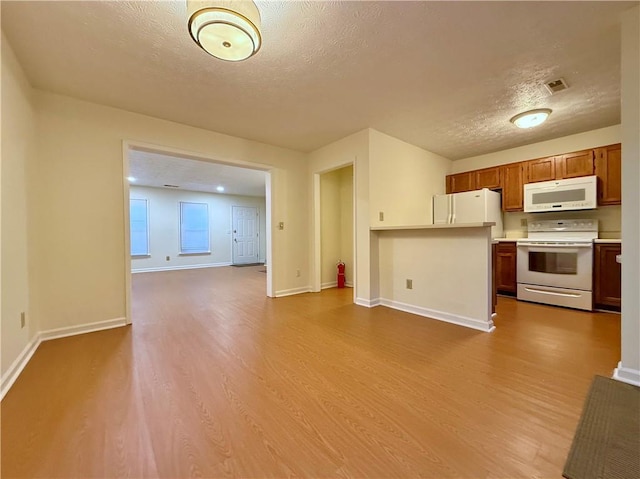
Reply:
x=570, y=298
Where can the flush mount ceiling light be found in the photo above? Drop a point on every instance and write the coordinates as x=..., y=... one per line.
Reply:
x=225, y=29
x=220, y=188
x=531, y=118
x=131, y=179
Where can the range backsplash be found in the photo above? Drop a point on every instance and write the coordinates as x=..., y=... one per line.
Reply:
x=608, y=218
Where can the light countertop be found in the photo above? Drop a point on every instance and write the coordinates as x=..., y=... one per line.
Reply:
x=599, y=240
x=433, y=227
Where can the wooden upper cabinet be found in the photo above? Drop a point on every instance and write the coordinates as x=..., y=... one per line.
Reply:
x=608, y=168
x=543, y=169
x=512, y=187
x=573, y=165
x=461, y=182
x=488, y=178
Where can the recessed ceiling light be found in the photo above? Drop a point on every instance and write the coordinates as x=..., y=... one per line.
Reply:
x=220, y=188
x=131, y=179
x=531, y=118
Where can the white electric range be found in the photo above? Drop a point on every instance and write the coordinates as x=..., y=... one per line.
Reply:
x=555, y=263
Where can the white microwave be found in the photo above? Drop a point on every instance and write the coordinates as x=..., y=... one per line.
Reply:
x=561, y=195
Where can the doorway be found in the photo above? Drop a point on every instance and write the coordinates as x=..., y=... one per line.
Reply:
x=171, y=229
x=336, y=225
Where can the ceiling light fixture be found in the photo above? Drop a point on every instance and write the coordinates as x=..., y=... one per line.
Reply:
x=131, y=179
x=531, y=118
x=220, y=188
x=225, y=29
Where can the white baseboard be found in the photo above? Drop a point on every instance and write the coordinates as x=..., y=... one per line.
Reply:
x=25, y=356
x=626, y=375
x=334, y=284
x=82, y=329
x=11, y=374
x=368, y=303
x=174, y=268
x=291, y=292
x=486, y=326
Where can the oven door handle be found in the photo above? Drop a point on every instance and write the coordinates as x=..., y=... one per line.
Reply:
x=554, y=246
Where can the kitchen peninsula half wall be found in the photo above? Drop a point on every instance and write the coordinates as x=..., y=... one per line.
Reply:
x=441, y=272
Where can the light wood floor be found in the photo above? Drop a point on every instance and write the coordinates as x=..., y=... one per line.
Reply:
x=216, y=380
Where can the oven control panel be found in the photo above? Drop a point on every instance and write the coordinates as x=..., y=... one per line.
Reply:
x=584, y=229
x=563, y=225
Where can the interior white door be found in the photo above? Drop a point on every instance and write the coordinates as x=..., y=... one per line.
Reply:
x=246, y=245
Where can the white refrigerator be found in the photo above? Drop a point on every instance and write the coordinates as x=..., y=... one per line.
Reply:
x=469, y=207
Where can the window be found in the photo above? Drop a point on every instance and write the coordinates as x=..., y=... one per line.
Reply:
x=139, y=218
x=194, y=228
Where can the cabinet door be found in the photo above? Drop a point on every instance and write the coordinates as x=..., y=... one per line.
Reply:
x=608, y=168
x=494, y=290
x=506, y=280
x=607, y=284
x=488, y=178
x=512, y=187
x=543, y=169
x=461, y=182
x=573, y=165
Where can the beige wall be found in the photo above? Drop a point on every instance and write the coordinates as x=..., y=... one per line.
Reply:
x=18, y=134
x=630, y=362
x=353, y=149
x=403, y=180
x=336, y=212
x=164, y=227
x=80, y=177
x=567, y=144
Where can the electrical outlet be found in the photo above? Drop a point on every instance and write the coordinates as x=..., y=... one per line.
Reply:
x=297, y=273
x=23, y=319
x=409, y=284
x=381, y=216
x=523, y=222
x=168, y=258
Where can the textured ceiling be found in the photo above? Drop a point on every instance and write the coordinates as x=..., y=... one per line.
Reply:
x=445, y=76
x=155, y=169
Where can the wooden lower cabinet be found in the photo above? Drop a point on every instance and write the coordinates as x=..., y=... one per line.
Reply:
x=494, y=290
x=607, y=276
x=506, y=265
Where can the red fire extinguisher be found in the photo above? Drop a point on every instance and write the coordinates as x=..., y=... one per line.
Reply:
x=341, y=266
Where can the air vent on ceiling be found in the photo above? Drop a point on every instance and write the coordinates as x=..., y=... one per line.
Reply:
x=556, y=86
x=171, y=186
